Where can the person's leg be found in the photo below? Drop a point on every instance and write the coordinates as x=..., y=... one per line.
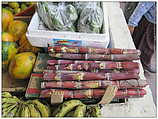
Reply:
x=144, y=37
x=139, y=32
x=147, y=47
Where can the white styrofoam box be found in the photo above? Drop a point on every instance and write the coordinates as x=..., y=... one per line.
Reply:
x=40, y=36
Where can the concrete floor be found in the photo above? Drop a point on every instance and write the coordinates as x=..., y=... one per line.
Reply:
x=151, y=78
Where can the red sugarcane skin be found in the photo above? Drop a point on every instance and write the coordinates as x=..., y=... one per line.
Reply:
x=122, y=84
x=68, y=75
x=97, y=66
x=64, y=49
x=99, y=57
x=93, y=93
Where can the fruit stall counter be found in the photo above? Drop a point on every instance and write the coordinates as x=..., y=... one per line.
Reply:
x=83, y=80
x=121, y=38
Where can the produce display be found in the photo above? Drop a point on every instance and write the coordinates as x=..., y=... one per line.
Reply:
x=62, y=16
x=15, y=107
x=64, y=80
x=17, y=7
x=14, y=39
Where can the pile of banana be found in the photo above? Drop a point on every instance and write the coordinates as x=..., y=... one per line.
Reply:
x=15, y=107
x=75, y=108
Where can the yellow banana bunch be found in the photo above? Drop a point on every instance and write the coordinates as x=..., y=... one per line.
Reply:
x=43, y=109
x=6, y=95
x=67, y=107
x=14, y=107
x=33, y=111
x=75, y=108
x=9, y=104
x=8, y=112
x=25, y=112
x=80, y=111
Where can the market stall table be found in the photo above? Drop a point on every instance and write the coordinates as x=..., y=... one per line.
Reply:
x=121, y=38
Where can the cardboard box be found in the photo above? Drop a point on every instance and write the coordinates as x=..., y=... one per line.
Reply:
x=40, y=36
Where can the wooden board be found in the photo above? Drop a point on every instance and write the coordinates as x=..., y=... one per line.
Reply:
x=12, y=85
x=41, y=62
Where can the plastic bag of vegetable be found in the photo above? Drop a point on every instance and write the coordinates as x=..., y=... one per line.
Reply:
x=57, y=16
x=80, y=5
x=91, y=19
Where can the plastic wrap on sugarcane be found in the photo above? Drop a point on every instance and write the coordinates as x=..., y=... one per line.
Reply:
x=92, y=93
x=122, y=84
x=100, y=57
x=98, y=66
x=77, y=76
x=88, y=50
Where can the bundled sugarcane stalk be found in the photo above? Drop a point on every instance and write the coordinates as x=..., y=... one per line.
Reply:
x=97, y=66
x=136, y=70
x=88, y=50
x=93, y=66
x=100, y=57
x=85, y=73
x=121, y=84
x=65, y=62
x=77, y=76
x=92, y=93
